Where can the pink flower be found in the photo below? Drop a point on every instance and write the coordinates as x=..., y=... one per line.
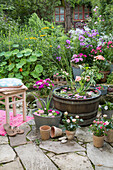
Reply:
x=57, y=112
x=110, y=42
x=98, y=122
x=57, y=73
x=94, y=121
x=41, y=111
x=107, y=46
x=100, y=57
x=101, y=122
x=100, y=127
x=78, y=78
x=50, y=110
x=54, y=75
x=68, y=121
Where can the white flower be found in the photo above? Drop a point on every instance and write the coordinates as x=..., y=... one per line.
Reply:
x=77, y=116
x=107, y=123
x=104, y=115
x=73, y=120
x=68, y=121
x=106, y=107
x=50, y=114
x=66, y=113
x=99, y=106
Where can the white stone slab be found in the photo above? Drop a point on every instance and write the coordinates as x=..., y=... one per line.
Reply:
x=72, y=161
x=15, y=165
x=102, y=156
x=58, y=147
x=33, y=158
x=83, y=134
x=6, y=153
x=102, y=168
x=3, y=140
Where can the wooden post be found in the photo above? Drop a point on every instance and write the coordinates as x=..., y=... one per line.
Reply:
x=7, y=109
x=24, y=105
x=14, y=106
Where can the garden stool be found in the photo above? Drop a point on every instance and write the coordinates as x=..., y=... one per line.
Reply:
x=13, y=95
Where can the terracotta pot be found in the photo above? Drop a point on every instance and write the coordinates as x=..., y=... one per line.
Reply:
x=45, y=132
x=70, y=134
x=103, y=80
x=55, y=132
x=109, y=137
x=98, y=141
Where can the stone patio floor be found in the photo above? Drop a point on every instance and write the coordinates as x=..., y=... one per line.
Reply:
x=29, y=152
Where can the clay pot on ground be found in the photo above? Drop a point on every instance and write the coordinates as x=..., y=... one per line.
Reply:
x=98, y=141
x=70, y=134
x=55, y=132
x=105, y=73
x=45, y=132
x=109, y=137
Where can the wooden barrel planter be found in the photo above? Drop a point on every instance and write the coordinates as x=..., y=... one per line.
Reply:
x=86, y=108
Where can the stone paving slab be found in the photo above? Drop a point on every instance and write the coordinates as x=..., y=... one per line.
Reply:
x=101, y=156
x=3, y=140
x=72, y=161
x=33, y=134
x=20, y=139
x=15, y=165
x=58, y=147
x=102, y=168
x=6, y=153
x=33, y=158
x=83, y=134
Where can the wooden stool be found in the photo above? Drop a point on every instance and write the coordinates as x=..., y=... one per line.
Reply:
x=13, y=93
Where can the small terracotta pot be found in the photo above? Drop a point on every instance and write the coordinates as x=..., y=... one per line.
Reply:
x=70, y=134
x=109, y=137
x=55, y=132
x=106, y=73
x=98, y=141
x=45, y=132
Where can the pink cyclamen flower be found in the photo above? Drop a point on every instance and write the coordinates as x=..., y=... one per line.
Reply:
x=100, y=127
x=78, y=78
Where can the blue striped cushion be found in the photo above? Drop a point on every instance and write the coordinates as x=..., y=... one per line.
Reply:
x=10, y=82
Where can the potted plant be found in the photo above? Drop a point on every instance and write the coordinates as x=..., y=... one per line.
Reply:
x=60, y=77
x=46, y=115
x=103, y=65
x=43, y=90
x=102, y=88
x=107, y=109
x=78, y=98
x=77, y=64
x=108, y=129
x=98, y=129
x=70, y=123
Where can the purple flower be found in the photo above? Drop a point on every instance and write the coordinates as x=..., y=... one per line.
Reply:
x=81, y=38
x=68, y=41
x=58, y=46
x=82, y=43
x=68, y=46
